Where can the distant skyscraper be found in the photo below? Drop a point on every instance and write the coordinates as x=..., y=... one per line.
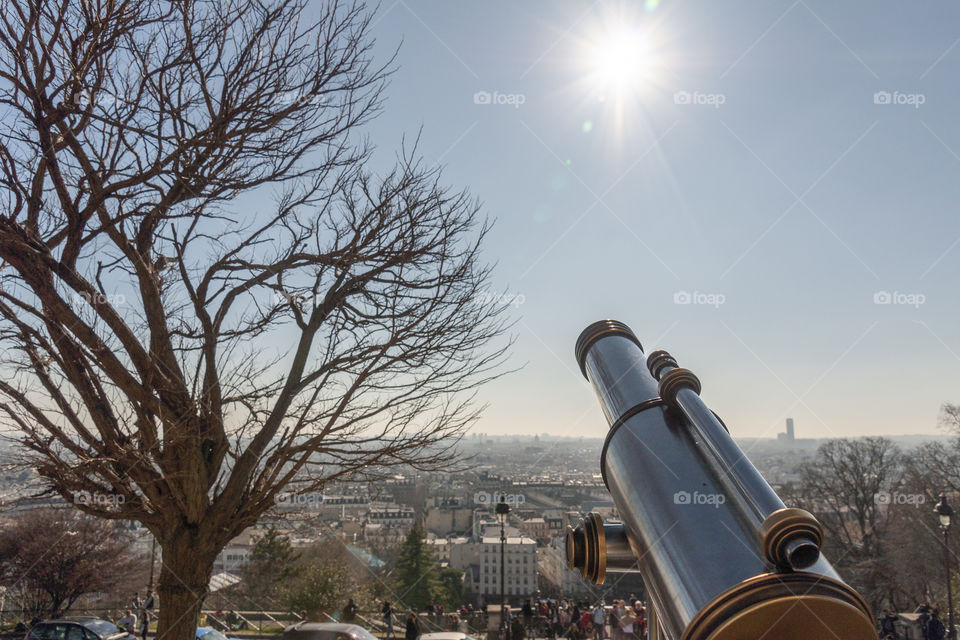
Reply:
x=790, y=435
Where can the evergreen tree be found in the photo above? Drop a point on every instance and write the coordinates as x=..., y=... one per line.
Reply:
x=451, y=581
x=418, y=580
x=272, y=564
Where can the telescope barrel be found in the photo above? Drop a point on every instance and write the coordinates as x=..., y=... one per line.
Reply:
x=754, y=497
x=721, y=557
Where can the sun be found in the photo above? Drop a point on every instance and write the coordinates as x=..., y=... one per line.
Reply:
x=621, y=60
x=619, y=65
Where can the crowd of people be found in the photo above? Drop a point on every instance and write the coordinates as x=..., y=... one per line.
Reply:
x=928, y=620
x=624, y=620
x=549, y=618
x=413, y=626
x=138, y=623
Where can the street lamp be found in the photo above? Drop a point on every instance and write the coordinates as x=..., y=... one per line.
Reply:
x=503, y=509
x=944, y=512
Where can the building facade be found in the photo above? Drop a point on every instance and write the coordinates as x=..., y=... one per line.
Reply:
x=520, y=564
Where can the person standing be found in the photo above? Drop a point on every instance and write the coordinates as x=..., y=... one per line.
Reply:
x=935, y=628
x=527, y=611
x=597, y=618
x=349, y=612
x=640, y=624
x=387, y=612
x=412, y=631
x=887, y=628
x=564, y=621
x=626, y=622
x=615, y=615
x=923, y=619
x=144, y=624
x=127, y=622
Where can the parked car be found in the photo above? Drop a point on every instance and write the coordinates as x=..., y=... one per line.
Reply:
x=326, y=631
x=444, y=635
x=209, y=633
x=77, y=628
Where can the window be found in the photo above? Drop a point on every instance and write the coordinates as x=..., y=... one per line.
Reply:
x=48, y=632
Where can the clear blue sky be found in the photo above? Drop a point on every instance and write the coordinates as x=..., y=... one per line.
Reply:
x=743, y=156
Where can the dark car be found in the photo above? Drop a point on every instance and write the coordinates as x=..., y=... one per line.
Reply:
x=77, y=628
x=326, y=631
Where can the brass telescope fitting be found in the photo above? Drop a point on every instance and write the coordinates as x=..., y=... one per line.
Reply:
x=659, y=359
x=676, y=379
x=586, y=550
x=791, y=539
x=595, y=549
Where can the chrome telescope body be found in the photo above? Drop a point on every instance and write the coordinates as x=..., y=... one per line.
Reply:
x=721, y=556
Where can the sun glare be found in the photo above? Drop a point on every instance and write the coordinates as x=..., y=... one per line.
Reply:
x=620, y=60
x=620, y=70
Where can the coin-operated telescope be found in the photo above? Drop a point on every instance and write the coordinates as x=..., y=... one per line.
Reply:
x=721, y=556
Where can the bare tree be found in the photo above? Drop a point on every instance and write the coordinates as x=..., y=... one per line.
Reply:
x=207, y=296
x=51, y=557
x=849, y=486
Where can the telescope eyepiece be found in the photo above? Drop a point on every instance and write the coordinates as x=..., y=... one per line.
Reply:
x=575, y=547
x=791, y=539
x=658, y=360
x=801, y=553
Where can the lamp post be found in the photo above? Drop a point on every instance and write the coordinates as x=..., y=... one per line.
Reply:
x=153, y=554
x=503, y=509
x=945, y=511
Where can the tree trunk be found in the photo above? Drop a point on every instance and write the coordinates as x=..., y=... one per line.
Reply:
x=186, y=568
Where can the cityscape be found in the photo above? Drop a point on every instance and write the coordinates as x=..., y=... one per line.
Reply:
x=340, y=320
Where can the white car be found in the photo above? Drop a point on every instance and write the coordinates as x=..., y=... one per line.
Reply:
x=445, y=635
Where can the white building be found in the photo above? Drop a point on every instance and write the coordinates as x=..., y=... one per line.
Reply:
x=520, y=562
x=236, y=554
x=557, y=577
x=392, y=515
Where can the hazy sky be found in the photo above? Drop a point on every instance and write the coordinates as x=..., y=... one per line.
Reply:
x=736, y=156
